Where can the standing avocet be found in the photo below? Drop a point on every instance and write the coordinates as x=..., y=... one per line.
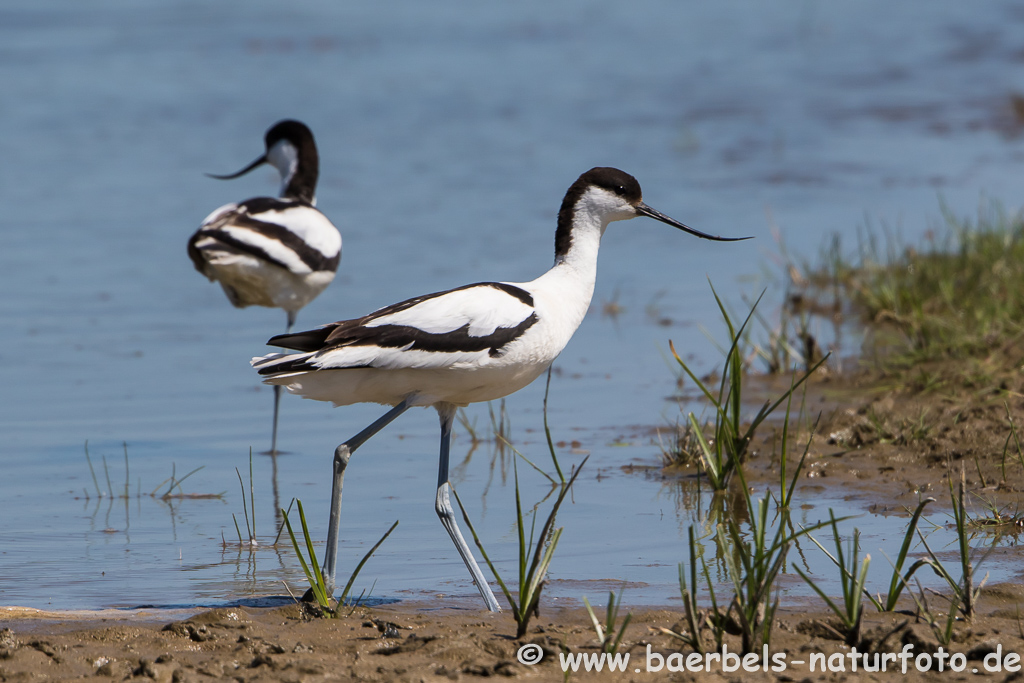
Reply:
x=475, y=343
x=278, y=252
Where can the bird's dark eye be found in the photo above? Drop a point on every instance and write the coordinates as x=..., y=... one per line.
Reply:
x=621, y=189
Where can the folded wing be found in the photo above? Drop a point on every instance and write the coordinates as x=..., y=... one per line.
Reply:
x=434, y=331
x=287, y=233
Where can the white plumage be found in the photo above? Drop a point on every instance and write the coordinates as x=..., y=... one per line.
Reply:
x=480, y=309
x=279, y=252
x=471, y=344
x=243, y=248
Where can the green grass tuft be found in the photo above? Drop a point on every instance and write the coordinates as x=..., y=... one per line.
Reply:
x=723, y=453
x=328, y=606
x=958, y=296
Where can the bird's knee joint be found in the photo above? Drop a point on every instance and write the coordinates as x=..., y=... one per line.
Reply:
x=443, y=506
x=342, y=454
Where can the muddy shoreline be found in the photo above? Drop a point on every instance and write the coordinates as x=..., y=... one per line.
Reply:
x=419, y=642
x=895, y=446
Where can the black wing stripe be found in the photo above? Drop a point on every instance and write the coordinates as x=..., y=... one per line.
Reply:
x=264, y=204
x=511, y=290
x=313, y=258
x=354, y=332
x=397, y=337
x=241, y=217
x=244, y=247
x=415, y=339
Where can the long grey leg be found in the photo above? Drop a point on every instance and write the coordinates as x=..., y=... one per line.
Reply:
x=341, y=456
x=277, y=408
x=443, y=507
x=277, y=395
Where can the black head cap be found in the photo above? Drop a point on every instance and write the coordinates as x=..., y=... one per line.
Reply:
x=605, y=177
x=291, y=130
x=613, y=180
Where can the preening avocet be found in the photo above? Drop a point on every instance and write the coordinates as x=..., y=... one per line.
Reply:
x=278, y=252
x=474, y=343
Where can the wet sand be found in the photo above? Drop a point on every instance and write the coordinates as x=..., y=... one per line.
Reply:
x=423, y=643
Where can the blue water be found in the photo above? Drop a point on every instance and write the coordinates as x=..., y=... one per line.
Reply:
x=448, y=133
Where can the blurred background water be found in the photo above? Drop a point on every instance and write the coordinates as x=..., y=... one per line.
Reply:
x=448, y=133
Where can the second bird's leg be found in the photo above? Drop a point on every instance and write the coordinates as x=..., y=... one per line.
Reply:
x=277, y=395
x=443, y=507
x=273, y=432
x=341, y=457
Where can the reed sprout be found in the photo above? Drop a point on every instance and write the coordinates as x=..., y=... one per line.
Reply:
x=314, y=576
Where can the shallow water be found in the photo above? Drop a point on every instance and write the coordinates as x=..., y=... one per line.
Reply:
x=447, y=137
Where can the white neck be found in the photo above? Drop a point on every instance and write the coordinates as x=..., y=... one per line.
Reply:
x=574, y=274
x=285, y=158
x=581, y=259
x=592, y=213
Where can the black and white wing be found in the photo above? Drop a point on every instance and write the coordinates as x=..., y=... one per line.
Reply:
x=441, y=330
x=284, y=232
